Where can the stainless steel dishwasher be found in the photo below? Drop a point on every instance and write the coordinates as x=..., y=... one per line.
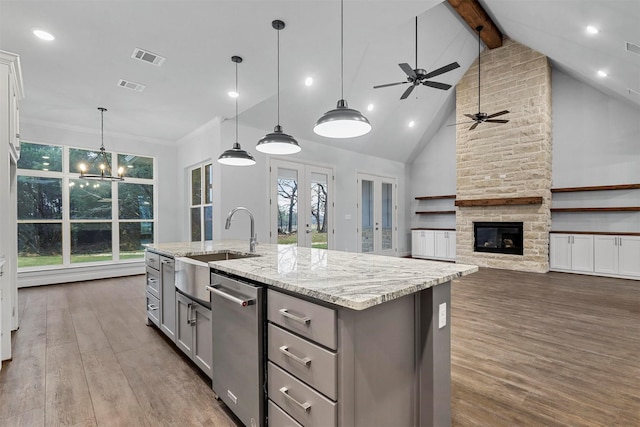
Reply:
x=238, y=346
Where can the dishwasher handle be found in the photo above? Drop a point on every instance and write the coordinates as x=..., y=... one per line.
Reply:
x=216, y=289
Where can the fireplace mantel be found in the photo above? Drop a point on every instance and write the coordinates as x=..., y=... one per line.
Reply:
x=506, y=201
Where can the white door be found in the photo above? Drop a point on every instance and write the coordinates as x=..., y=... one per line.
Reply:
x=582, y=252
x=417, y=244
x=629, y=255
x=301, y=204
x=605, y=254
x=377, y=219
x=560, y=251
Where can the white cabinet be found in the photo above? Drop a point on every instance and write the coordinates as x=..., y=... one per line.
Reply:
x=571, y=252
x=617, y=255
x=194, y=332
x=433, y=244
x=167, y=297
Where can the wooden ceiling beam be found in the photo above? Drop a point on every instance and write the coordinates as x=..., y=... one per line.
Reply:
x=474, y=14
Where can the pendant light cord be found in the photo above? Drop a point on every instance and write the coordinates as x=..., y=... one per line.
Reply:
x=479, y=29
x=416, y=42
x=341, y=49
x=278, y=31
x=237, y=102
x=102, y=129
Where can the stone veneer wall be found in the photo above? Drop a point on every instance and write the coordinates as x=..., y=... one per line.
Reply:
x=506, y=160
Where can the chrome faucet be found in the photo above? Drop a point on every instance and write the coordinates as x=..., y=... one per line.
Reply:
x=253, y=239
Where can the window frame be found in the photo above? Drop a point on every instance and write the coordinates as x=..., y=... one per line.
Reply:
x=203, y=198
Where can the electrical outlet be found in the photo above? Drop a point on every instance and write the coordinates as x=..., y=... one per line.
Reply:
x=442, y=315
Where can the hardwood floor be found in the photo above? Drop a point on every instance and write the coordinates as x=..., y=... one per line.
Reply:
x=527, y=350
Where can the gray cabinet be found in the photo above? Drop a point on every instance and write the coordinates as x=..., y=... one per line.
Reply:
x=168, y=297
x=193, y=332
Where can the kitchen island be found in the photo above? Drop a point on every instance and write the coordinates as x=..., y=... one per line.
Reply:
x=383, y=327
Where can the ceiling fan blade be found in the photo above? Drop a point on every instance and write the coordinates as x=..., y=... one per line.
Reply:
x=437, y=85
x=442, y=70
x=475, y=125
x=496, y=121
x=498, y=114
x=471, y=116
x=461, y=123
x=407, y=69
x=390, y=84
x=407, y=92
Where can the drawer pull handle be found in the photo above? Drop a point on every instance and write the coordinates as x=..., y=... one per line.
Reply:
x=285, y=313
x=306, y=405
x=152, y=307
x=152, y=280
x=285, y=350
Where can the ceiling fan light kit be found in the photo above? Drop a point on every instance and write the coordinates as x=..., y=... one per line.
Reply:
x=419, y=76
x=236, y=156
x=102, y=159
x=342, y=121
x=278, y=142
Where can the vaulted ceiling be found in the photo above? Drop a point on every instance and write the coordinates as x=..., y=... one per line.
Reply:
x=67, y=79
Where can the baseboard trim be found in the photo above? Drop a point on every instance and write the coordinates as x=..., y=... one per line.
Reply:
x=78, y=273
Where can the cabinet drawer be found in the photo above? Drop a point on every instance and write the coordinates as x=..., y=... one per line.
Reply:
x=304, y=360
x=310, y=320
x=153, y=309
x=279, y=418
x=153, y=282
x=303, y=403
x=152, y=260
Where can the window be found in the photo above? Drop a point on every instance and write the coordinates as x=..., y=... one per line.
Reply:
x=64, y=220
x=201, y=206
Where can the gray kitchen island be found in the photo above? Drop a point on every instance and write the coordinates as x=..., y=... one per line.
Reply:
x=346, y=339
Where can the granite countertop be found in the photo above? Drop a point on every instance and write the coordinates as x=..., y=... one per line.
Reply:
x=351, y=280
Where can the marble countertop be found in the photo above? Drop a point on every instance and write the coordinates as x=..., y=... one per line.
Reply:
x=351, y=280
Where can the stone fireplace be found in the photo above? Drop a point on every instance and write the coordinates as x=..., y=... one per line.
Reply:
x=499, y=166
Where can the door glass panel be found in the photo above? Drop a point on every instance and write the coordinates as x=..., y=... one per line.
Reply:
x=387, y=216
x=318, y=220
x=196, y=224
x=196, y=186
x=208, y=184
x=287, y=206
x=367, y=216
x=208, y=223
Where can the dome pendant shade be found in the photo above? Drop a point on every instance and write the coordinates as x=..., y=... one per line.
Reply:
x=278, y=142
x=236, y=156
x=342, y=122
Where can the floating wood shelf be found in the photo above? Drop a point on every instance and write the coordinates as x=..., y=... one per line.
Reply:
x=448, y=196
x=600, y=233
x=597, y=188
x=434, y=212
x=608, y=209
x=436, y=229
x=507, y=201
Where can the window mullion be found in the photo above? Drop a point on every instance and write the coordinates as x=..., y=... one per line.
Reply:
x=66, y=215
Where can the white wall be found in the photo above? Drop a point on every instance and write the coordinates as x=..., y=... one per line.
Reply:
x=249, y=186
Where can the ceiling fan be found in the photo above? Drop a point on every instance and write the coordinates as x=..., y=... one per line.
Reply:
x=480, y=117
x=420, y=76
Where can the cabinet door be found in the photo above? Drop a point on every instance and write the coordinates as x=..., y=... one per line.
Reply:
x=429, y=239
x=417, y=243
x=560, y=251
x=184, y=330
x=168, y=297
x=451, y=237
x=582, y=252
x=629, y=255
x=605, y=254
x=203, y=339
x=440, y=239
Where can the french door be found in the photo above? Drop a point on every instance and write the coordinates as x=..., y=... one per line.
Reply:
x=301, y=204
x=377, y=214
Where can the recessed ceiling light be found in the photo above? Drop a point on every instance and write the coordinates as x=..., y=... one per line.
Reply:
x=412, y=124
x=233, y=94
x=602, y=73
x=308, y=81
x=41, y=34
x=370, y=107
x=592, y=30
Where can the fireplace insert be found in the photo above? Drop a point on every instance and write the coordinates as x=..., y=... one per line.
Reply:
x=498, y=237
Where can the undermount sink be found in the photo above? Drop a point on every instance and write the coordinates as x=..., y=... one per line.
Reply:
x=220, y=256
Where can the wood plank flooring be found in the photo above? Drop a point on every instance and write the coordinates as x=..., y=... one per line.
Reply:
x=527, y=350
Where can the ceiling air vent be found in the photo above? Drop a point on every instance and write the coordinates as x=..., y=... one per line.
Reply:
x=131, y=85
x=146, y=56
x=633, y=48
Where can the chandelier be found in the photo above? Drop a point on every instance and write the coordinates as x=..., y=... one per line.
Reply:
x=101, y=159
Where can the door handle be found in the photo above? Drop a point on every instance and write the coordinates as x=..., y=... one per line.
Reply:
x=285, y=313
x=214, y=288
x=303, y=361
x=306, y=405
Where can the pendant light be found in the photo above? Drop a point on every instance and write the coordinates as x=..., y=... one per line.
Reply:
x=236, y=156
x=102, y=159
x=342, y=122
x=278, y=142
